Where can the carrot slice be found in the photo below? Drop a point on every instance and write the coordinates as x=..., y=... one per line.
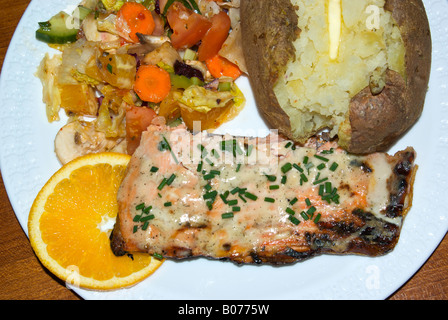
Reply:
x=133, y=18
x=152, y=83
x=221, y=67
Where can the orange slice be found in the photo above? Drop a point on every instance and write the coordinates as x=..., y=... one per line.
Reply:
x=71, y=220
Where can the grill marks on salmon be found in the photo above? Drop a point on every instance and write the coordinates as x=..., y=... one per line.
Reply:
x=252, y=200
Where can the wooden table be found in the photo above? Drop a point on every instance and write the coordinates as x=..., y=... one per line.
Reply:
x=22, y=277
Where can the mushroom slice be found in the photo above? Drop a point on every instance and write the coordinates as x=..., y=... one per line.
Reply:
x=79, y=138
x=156, y=41
x=165, y=54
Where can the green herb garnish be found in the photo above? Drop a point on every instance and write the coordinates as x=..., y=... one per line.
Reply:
x=294, y=220
x=227, y=215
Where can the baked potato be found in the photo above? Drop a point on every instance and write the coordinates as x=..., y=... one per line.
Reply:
x=357, y=68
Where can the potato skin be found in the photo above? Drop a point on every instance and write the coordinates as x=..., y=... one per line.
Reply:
x=375, y=122
x=268, y=29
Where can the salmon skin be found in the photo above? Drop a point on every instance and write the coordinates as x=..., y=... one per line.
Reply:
x=258, y=201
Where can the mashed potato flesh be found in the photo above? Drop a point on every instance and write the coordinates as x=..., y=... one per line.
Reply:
x=315, y=91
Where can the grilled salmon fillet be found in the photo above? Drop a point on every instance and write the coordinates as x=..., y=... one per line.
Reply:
x=253, y=200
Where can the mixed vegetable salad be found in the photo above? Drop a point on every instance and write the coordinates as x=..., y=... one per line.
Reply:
x=122, y=63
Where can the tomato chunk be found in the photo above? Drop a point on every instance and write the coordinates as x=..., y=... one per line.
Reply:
x=137, y=120
x=188, y=26
x=215, y=36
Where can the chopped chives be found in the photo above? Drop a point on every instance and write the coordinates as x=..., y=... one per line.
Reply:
x=328, y=151
x=316, y=220
x=290, y=211
x=210, y=195
x=157, y=256
x=169, y=148
x=304, y=215
x=274, y=187
x=249, y=150
x=271, y=177
x=203, y=150
x=209, y=176
x=288, y=144
x=334, y=166
x=223, y=198
x=311, y=211
x=209, y=204
x=236, y=209
x=215, y=172
x=303, y=178
x=286, y=167
x=335, y=190
x=140, y=206
x=293, y=201
x=147, y=209
x=235, y=190
x=321, y=190
x=267, y=199
x=134, y=230
x=305, y=159
x=199, y=168
x=241, y=190
x=227, y=215
x=162, y=146
x=321, y=166
x=237, y=147
x=171, y=179
x=215, y=154
x=297, y=167
x=251, y=196
x=242, y=198
x=238, y=167
x=232, y=202
x=335, y=198
x=210, y=162
x=162, y=184
x=224, y=145
x=307, y=201
x=147, y=218
x=154, y=169
x=294, y=220
x=328, y=187
x=321, y=158
x=207, y=187
x=283, y=179
x=167, y=204
x=137, y=218
x=320, y=181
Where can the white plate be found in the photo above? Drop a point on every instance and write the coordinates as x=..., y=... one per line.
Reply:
x=28, y=161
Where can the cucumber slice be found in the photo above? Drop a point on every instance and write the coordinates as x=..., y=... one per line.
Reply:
x=83, y=12
x=57, y=30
